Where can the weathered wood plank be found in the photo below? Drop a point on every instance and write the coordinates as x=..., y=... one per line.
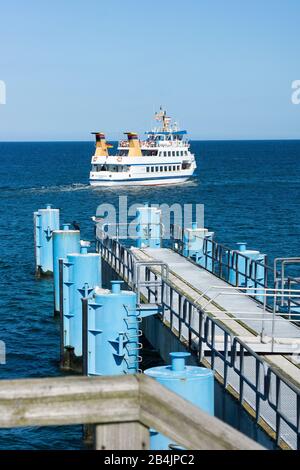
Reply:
x=189, y=426
x=70, y=400
x=131, y=402
x=122, y=436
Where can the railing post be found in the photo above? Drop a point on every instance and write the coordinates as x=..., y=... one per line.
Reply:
x=61, y=311
x=85, y=336
x=121, y=436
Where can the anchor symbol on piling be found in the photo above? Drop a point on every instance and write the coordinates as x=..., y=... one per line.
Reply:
x=48, y=233
x=147, y=232
x=119, y=344
x=86, y=290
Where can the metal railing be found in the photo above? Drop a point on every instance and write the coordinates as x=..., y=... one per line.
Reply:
x=225, y=263
x=240, y=368
x=128, y=231
x=283, y=282
x=236, y=359
x=118, y=256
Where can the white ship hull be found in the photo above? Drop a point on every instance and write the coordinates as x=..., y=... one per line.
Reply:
x=141, y=182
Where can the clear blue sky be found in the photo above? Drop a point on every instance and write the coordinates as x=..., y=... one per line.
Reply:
x=222, y=68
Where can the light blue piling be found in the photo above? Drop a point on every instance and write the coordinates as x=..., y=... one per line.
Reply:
x=195, y=384
x=193, y=245
x=113, y=332
x=81, y=274
x=148, y=227
x=238, y=265
x=65, y=241
x=247, y=268
x=45, y=222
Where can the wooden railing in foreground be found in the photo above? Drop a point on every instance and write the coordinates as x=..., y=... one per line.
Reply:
x=122, y=408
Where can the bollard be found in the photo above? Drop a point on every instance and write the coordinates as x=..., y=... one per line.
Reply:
x=45, y=222
x=193, y=245
x=81, y=273
x=195, y=384
x=148, y=227
x=111, y=326
x=65, y=241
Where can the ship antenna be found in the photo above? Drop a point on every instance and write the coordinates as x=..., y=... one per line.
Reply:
x=164, y=115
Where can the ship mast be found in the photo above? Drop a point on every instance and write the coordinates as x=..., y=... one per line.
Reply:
x=162, y=116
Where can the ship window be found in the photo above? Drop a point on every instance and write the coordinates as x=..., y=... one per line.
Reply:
x=178, y=167
x=185, y=153
x=173, y=153
x=170, y=168
x=165, y=154
x=147, y=169
x=174, y=168
x=152, y=169
x=156, y=168
x=161, y=168
x=166, y=168
x=177, y=154
x=186, y=166
x=113, y=168
x=169, y=154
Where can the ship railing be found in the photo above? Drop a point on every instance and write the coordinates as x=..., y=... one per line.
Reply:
x=123, y=143
x=273, y=398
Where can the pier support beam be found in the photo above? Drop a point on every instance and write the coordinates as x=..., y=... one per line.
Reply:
x=122, y=436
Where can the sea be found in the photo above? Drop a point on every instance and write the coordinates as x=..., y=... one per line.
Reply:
x=250, y=191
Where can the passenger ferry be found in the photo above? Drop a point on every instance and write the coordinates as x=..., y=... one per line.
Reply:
x=164, y=157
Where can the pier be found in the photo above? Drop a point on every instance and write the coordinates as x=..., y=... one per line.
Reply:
x=231, y=316
x=238, y=332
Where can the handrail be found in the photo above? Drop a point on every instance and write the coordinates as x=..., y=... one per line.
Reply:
x=102, y=234
x=114, y=403
x=224, y=263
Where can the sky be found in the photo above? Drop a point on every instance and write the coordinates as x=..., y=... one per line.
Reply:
x=223, y=69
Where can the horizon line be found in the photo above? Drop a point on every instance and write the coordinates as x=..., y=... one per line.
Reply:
x=190, y=140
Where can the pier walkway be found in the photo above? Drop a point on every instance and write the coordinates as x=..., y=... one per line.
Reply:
x=229, y=304
x=252, y=350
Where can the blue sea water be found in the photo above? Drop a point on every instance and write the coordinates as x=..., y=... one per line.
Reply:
x=251, y=192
